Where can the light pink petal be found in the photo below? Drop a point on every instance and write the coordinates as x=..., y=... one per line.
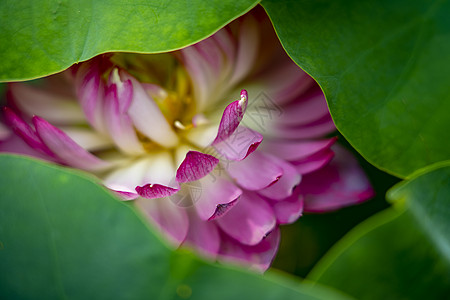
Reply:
x=249, y=221
x=170, y=219
x=117, y=102
x=256, y=172
x=66, y=149
x=90, y=91
x=201, y=75
x=284, y=187
x=147, y=117
x=340, y=183
x=288, y=210
x=231, y=118
x=305, y=110
x=4, y=132
x=196, y=165
x=152, y=191
x=257, y=257
x=22, y=129
x=247, y=53
x=217, y=196
x=312, y=130
x=240, y=144
x=203, y=236
x=56, y=108
x=314, y=162
x=296, y=150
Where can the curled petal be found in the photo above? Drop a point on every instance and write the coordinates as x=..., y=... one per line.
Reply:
x=256, y=172
x=196, y=165
x=340, y=183
x=231, y=118
x=249, y=221
x=284, y=187
x=152, y=191
x=258, y=257
x=217, y=196
x=288, y=210
x=240, y=144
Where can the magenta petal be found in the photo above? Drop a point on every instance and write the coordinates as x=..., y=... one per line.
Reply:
x=90, y=91
x=170, y=219
x=240, y=144
x=121, y=129
x=294, y=150
x=66, y=149
x=284, y=187
x=256, y=172
x=288, y=210
x=196, y=165
x=217, y=197
x=231, y=118
x=204, y=236
x=152, y=191
x=314, y=162
x=340, y=183
x=258, y=257
x=249, y=221
x=22, y=129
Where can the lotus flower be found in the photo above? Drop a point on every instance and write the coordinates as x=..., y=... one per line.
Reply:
x=163, y=131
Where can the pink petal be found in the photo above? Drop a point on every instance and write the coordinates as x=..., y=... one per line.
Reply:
x=147, y=117
x=170, y=219
x=249, y=221
x=196, y=165
x=288, y=210
x=340, y=183
x=152, y=191
x=90, y=91
x=203, y=236
x=24, y=130
x=296, y=150
x=314, y=162
x=309, y=108
x=4, y=132
x=316, y=129
x=53, y=107
x=255, y=172
x=258, y=257
x=240, y=144
x=126, y=195
x=247, y=53
x=217, y=196
x=231, y=118
x=117, y=102
x=284, y=187
x=66, y=149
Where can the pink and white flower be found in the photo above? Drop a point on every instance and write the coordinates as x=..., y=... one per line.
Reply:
x=160, y=130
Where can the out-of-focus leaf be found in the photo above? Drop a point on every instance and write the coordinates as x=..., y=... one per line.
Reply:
x=401, y=253
x=39, y=38
x=383, y=66
x=62, y=236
